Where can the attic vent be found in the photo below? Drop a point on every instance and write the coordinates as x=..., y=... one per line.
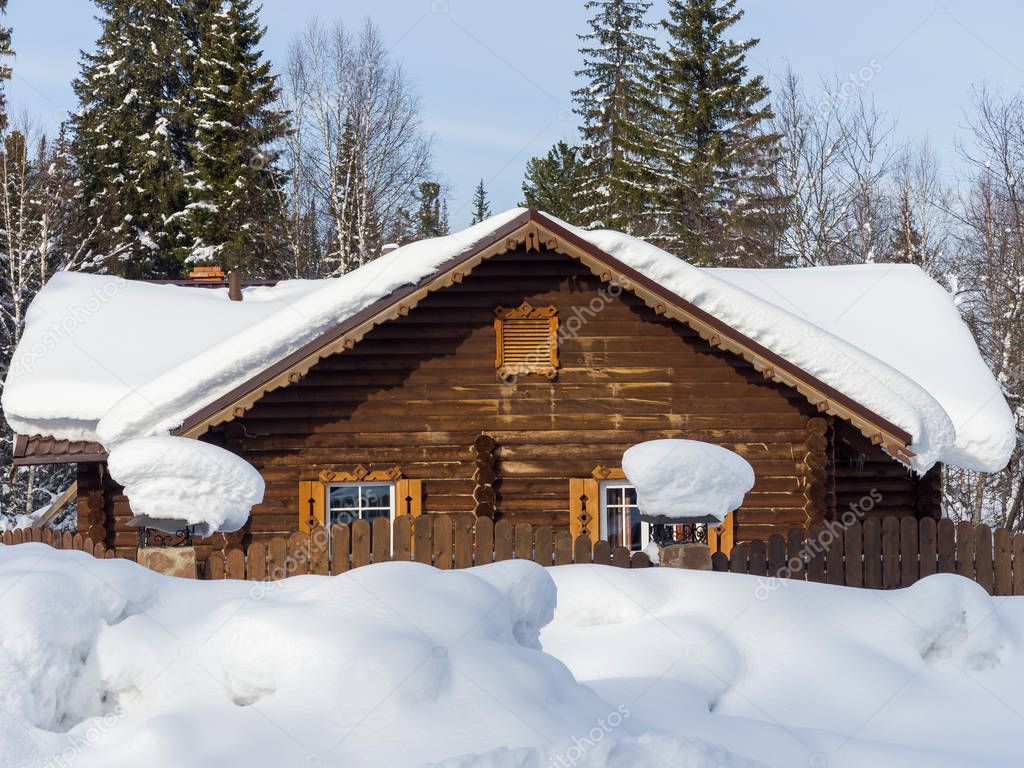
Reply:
x=526, y=340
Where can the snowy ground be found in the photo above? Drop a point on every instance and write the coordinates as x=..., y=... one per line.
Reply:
x=105, y=664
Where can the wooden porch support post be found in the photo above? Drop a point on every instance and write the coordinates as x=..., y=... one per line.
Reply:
x=91, y=512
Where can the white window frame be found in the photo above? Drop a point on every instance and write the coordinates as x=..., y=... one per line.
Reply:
x=608, y=485
x=391, y=496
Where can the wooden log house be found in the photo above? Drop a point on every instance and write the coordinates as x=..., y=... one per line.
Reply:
x=507, y=383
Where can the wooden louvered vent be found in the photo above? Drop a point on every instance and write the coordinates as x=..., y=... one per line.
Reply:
x=527, y=341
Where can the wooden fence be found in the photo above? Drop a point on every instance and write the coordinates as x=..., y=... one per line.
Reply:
x=877, y=554
x=444, y=541
x=56, y=539
x=886, y=554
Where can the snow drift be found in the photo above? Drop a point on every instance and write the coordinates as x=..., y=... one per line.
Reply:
x=172, y=482
x=103, y=663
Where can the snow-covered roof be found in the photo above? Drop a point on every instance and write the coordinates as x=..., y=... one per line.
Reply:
x=111, y=360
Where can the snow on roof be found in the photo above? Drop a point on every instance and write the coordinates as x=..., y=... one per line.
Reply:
x=908, y=321
x=110, y=360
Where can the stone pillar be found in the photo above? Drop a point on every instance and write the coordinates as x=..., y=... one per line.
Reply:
x=170, y=561
x=694, y=557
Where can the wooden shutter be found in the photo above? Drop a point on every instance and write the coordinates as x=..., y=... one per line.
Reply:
x=312, y=504
x=721, y=538
x=585, y=508
x=409, y=497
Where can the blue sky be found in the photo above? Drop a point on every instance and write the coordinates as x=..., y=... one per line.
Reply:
x=494, y=77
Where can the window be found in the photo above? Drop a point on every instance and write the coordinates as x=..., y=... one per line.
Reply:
x=348, y=502
x=621, y=525
x=526, y=341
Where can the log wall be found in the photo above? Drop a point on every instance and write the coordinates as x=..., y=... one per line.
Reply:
x=418, y=391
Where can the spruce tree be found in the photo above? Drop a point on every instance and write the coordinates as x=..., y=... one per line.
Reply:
x=481, y=207
x=126, y=133
x=616, y=108
x=716, y=204
x=233, y=216
x=432, y=215
x=553, y=183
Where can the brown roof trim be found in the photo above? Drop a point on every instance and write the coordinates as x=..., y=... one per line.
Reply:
x=43, y=449
x=720, y=334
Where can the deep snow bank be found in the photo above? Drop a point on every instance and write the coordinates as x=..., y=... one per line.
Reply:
x=798, y=674
x=103, y=663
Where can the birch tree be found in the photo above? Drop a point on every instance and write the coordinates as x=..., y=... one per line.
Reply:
x=358, y=148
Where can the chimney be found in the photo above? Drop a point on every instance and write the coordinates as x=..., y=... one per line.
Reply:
x=388, y=248
x=234, y=285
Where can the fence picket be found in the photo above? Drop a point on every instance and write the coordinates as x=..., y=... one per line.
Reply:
x=1018, y=564
x=602, y=552
x=738, y=559
x=890, y=553
x=544, y=545
x=380, y=540
x=776, y=555
x=835, y=570
x=402, y=538
x=563, y=548
x=232, y=564
x=853, y=549
x=341, y=541
x=483, y=542
x=620, y=557
x=947, y=545
x=443, y=544
x=640, y=560
x=965, y=550
x=360, y=532
x=422, y=528
x=795, y=553
x=872, y=531
x=463, y=541
x=816, y=563
x=277, y=559
x=926, y=545
x=256, y=562
x=319, y=560
x=581, y=550
x=1003, y=565
x=524, y=541
x=297, y=561
x=984, y=573
x=215, y=566
x=909, y=548
x=503, y=540
x=758, y=558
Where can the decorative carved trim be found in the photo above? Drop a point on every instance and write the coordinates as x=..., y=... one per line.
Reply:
x=525, y=311
x=360, y=474
x=608, y=473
